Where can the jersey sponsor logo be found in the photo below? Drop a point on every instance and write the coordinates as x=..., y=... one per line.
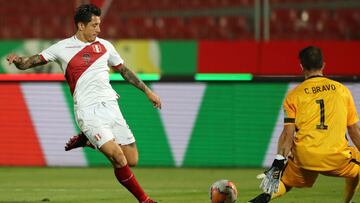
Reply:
x=96, y=48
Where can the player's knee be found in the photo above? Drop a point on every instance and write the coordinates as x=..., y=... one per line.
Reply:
x=131, y=154
x=116, y=156
x=119, y=158
x=133, y=161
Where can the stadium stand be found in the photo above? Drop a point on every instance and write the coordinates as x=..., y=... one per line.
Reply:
x=182, y=19
x=315, y=24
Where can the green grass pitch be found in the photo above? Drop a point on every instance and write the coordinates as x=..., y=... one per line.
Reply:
x=167, y=185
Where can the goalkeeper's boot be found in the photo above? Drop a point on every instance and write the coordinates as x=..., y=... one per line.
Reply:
x=262, y=198
x=77, y=141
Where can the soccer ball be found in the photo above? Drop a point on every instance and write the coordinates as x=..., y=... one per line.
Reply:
x=223, y=191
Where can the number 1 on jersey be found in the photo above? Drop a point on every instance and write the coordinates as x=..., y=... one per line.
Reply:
x=322, y=125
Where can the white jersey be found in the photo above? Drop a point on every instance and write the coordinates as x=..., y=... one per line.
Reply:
x=86, y=68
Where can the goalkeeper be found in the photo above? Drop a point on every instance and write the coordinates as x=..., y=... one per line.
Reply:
x=317, y=114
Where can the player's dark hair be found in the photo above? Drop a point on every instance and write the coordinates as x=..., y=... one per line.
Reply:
x=311, y=58
x=84, y=13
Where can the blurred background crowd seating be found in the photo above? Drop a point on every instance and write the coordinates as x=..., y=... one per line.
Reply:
x=190, y=19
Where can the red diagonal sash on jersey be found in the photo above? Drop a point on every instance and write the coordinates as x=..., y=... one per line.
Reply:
x=81, y=62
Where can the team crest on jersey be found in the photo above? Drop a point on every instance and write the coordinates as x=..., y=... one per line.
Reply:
x=86, y=57
x=96, y=48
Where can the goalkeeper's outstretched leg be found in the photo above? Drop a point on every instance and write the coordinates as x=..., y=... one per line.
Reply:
x=351, y=186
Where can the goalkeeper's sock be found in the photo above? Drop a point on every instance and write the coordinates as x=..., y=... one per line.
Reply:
x=351, y=186
x=128, y=180
x=282, y=190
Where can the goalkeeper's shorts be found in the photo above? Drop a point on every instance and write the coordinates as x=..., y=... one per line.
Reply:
x=294, y=176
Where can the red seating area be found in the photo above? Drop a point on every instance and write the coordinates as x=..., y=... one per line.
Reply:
x=36, y=19
x=165, y=19
x=315, y=24
x=54, y=19
x=171, y=5
x=180, y=19
x=303, y=1
x=204, y=27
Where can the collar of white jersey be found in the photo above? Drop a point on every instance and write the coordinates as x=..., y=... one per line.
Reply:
x=85, y=43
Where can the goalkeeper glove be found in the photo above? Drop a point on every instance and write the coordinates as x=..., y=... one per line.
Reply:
x=271, y=178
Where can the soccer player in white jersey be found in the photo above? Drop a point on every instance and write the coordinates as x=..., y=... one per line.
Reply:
x=85, y=60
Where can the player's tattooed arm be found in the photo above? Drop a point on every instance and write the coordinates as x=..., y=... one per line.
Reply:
x=24, y=63
x=132, y=78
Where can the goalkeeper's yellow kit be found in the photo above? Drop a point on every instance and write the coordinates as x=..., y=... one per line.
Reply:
x=321, y=110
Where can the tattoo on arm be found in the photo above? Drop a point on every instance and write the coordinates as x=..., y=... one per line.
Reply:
x=28, y=62
x=131, y=77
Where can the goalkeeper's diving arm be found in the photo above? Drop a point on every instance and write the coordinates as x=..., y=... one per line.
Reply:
x=354, y=133
x=286, y=140
x=271, y=177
